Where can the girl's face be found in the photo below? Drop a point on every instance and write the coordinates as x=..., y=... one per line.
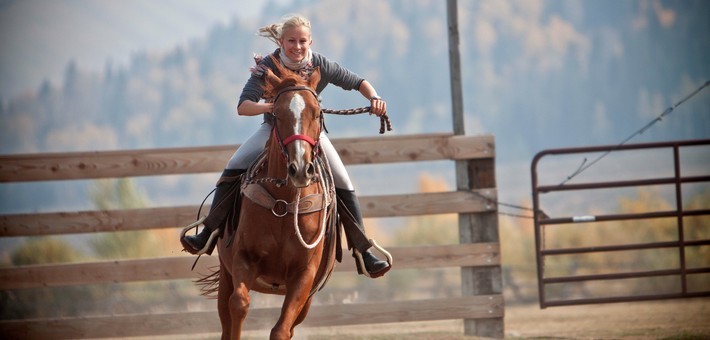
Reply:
x=295, y=42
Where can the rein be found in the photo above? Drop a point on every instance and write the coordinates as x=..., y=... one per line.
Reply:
x=385, y=123
x=324, y=218
x=384, y=119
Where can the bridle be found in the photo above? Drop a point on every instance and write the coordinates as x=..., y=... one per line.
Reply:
x=285, y=142
x=315, y=147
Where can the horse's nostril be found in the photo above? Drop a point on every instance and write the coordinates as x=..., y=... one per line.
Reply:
x=310, y=170
x=292, y=170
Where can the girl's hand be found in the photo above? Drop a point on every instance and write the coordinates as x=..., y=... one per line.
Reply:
x=378, y=106
x=267, y=107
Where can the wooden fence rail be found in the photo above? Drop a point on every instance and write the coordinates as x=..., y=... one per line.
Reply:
x=467, y=307
x=158, y=162
x=57, y=223
x=172, y=268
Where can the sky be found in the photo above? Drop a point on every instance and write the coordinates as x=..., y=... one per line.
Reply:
x=39, y=37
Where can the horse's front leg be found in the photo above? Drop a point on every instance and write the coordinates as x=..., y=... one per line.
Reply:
x=238, y=308
x=302, y=315
x=297, y=298
x=242, y=281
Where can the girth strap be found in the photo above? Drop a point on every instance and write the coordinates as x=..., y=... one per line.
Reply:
x=307, y=204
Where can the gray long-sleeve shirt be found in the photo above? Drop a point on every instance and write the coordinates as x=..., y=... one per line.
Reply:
x=331, y=73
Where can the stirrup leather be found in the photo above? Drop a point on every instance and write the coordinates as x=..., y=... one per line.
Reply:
x=194, y=225
x=361, y=263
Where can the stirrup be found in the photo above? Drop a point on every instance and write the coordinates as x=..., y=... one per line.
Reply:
x=361, y=262
x=194, y=225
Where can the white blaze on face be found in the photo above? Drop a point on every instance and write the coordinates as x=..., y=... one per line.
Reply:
x=297, y=106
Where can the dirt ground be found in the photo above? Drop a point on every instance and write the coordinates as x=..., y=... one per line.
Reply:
x=672, y=319
x=687, y=319
x=676, y=319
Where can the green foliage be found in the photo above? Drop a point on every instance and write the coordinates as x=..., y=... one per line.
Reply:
x=141, y=296
x=129, y=244
x=123, y=194
x=100, y=298
x=43, y=250
x=44, y=302
x=116, y=194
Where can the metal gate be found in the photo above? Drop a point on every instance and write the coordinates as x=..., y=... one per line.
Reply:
x=560, y=286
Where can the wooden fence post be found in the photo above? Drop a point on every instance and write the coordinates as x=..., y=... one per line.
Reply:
x=481, y=228
x=471, y=175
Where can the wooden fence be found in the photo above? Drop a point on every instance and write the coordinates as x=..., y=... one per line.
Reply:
x=479, y=260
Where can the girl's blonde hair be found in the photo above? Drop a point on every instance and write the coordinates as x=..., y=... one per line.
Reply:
x=273, y=32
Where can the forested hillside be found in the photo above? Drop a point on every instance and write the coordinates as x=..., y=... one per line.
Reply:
x=536, y=74
x=187, y=97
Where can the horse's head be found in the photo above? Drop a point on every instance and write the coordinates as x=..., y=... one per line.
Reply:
x=298, y=121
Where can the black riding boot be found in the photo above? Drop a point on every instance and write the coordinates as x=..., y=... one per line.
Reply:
x=351, y=217
x=223, y=203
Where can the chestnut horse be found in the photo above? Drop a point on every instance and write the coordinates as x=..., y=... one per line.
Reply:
x=281, y=245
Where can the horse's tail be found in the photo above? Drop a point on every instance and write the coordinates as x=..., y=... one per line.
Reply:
x=209, y=284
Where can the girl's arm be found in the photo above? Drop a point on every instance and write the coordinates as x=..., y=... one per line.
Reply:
x=250, y=108
x=249, y=100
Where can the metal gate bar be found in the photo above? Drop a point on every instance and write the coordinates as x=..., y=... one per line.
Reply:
x=541, y=219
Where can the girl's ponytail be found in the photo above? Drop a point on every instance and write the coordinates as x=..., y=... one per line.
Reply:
x=271, y=32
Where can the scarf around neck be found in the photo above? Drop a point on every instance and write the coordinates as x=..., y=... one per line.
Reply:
x=296, y=65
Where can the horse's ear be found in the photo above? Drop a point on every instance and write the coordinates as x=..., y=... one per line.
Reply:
x=315, y=78
x=270, y=79
x=270, y=76
x=277, y=66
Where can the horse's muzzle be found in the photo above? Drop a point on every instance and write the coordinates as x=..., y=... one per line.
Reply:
x=301, y=173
